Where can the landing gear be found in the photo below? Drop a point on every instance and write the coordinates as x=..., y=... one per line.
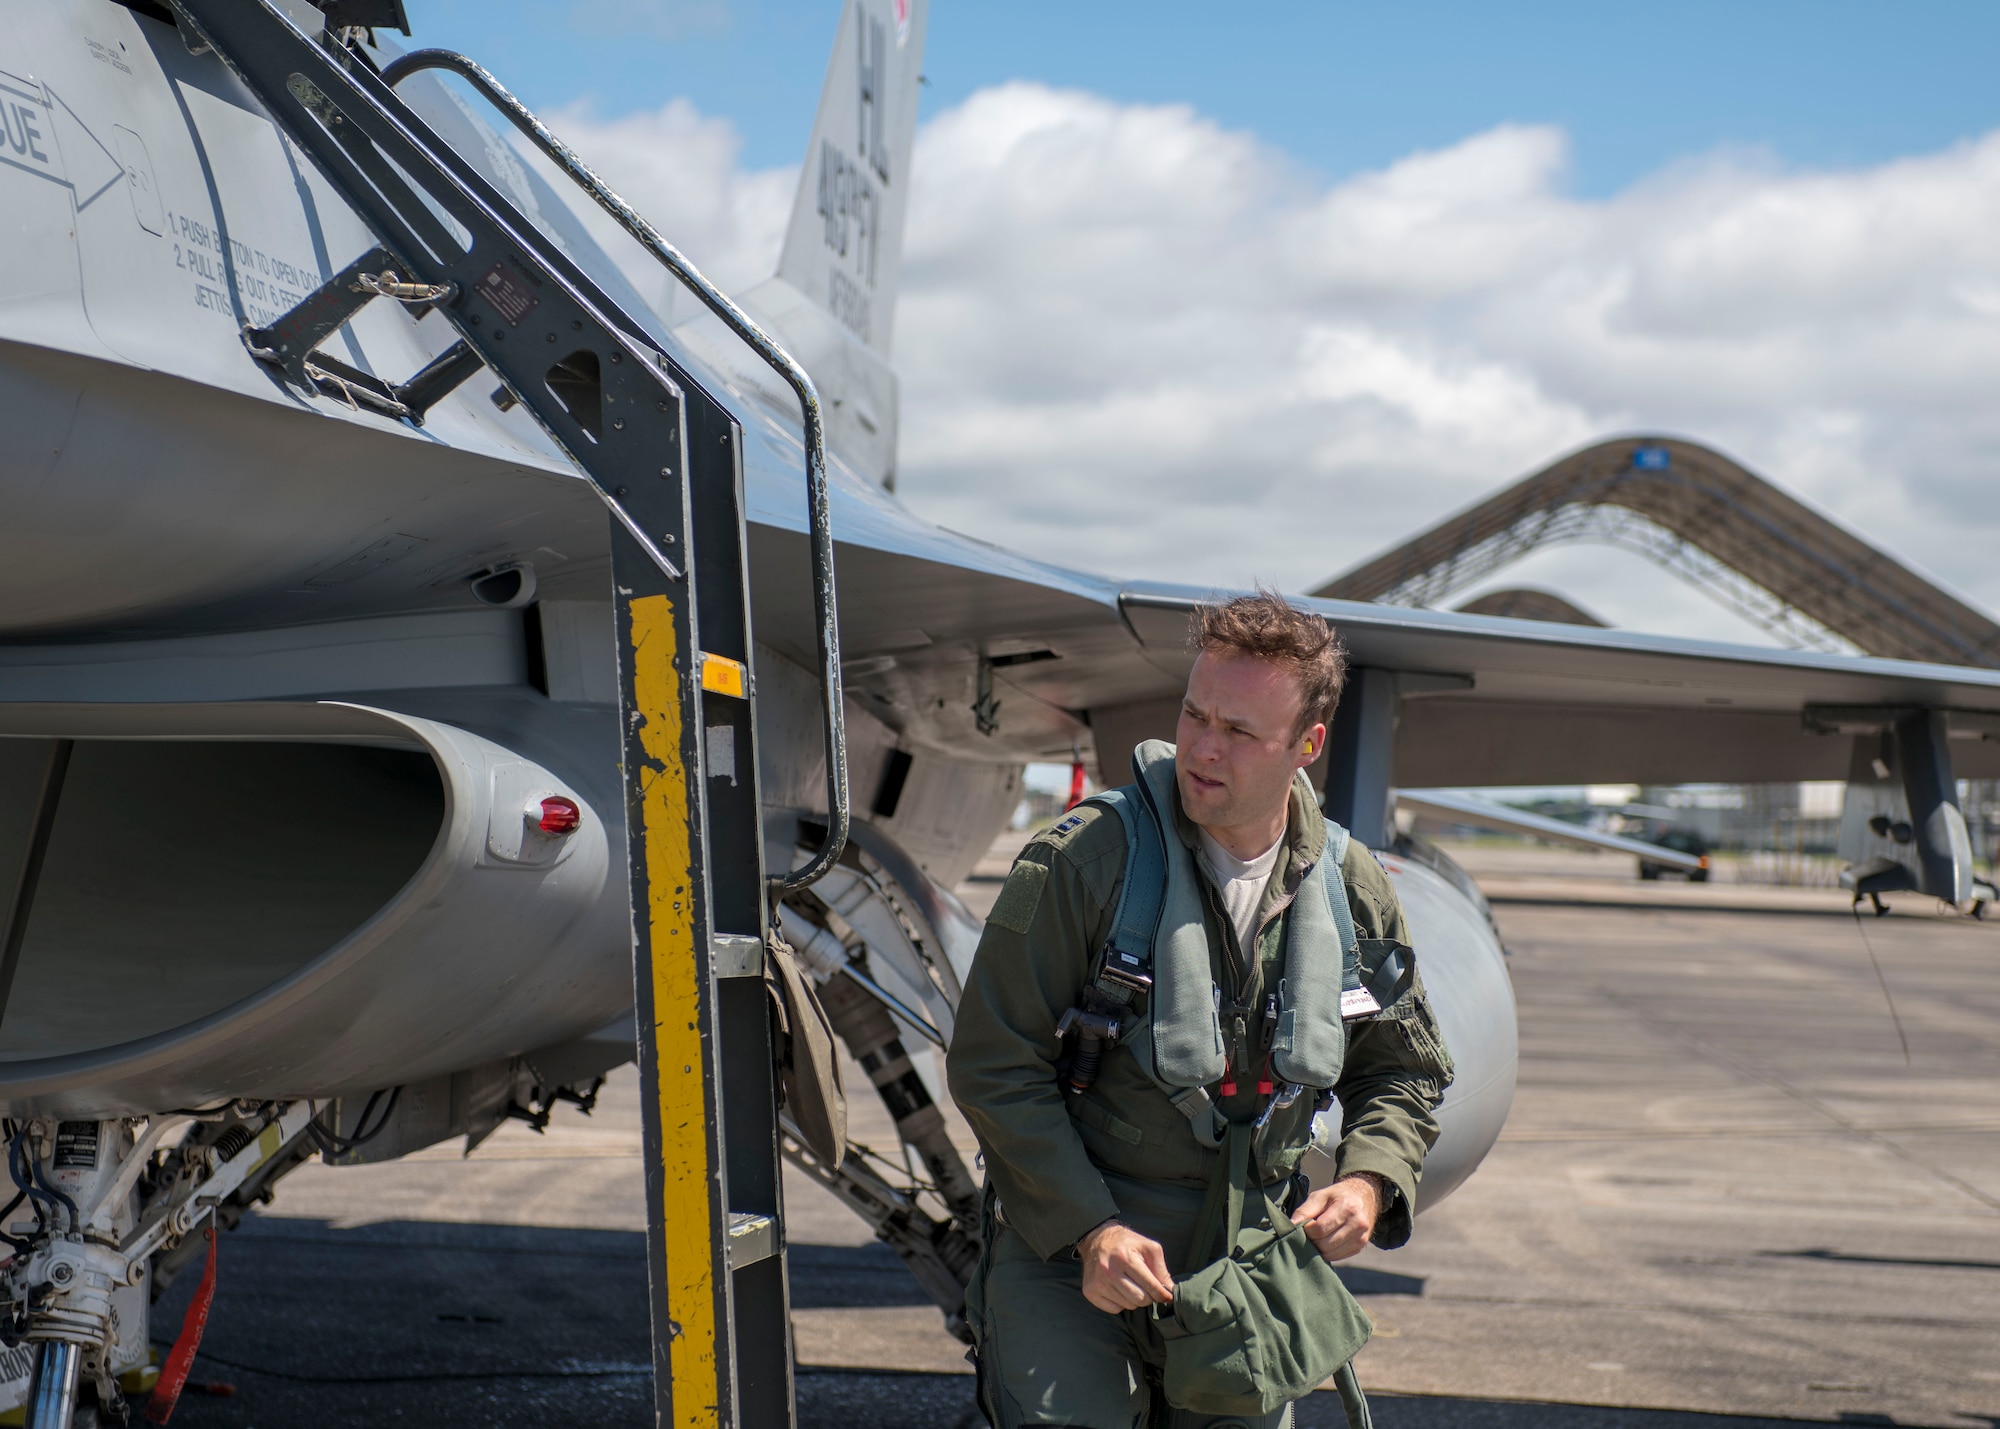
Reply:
x=107, y=1197
x=52, y=1390
x=883, y=973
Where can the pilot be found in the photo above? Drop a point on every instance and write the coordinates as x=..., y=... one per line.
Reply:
x=1100, y=1152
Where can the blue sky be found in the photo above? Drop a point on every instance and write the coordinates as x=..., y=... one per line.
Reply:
x=1342, y=87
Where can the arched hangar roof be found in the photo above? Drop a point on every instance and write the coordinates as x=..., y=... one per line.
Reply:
x=1714, y=520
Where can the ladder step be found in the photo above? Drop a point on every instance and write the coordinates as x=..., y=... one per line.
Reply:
x=751, y=1239
x=288, y=342
x=736, y=955
x=353, y=386
x=439, y=378
x=291, y=344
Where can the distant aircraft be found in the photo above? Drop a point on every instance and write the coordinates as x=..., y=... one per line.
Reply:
x=308, y=689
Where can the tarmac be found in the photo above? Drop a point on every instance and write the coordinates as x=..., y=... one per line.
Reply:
x=1725, y=1199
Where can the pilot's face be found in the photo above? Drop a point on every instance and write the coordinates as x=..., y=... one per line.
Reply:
x=1237, y=746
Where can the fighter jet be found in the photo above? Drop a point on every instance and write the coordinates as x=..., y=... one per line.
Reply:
x=309, y=669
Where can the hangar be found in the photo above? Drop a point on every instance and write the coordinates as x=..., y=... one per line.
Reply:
x=1713, y=521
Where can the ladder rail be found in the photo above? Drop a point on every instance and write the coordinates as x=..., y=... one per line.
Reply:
x=825, y=610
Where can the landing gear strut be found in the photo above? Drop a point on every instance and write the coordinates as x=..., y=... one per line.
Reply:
x=107, y=1197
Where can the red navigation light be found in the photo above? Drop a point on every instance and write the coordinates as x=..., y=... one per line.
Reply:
x=560, y=816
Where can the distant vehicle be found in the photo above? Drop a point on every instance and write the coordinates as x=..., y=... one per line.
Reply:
x=1685, y=841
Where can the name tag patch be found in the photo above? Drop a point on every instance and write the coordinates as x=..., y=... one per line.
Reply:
x=1358, y=1002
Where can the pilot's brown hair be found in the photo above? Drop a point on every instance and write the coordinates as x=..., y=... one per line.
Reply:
x=1272, y=628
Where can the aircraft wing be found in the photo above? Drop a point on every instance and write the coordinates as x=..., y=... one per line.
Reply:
x=1444, y=805
x=1483, y=700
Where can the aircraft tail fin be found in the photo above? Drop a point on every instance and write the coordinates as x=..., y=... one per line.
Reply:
x=844, y=247
x=833, y=300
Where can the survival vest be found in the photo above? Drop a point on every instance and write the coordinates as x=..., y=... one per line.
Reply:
x=1159, y=949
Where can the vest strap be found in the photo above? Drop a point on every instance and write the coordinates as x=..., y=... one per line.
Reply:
x=1124, y=967
x=1307, y=1040
x=1125, y=963
x=1204, y=1121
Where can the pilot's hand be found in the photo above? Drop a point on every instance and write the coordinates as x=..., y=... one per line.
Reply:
x=1122, y=1270
x=1339, y=1219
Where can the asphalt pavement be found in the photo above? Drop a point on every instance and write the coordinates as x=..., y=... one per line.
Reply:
x=1724, y=1193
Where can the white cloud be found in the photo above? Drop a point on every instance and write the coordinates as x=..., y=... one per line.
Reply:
x=679, y=169
x=1137, y=342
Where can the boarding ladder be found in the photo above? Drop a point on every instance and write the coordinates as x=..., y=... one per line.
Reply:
x=666, y=459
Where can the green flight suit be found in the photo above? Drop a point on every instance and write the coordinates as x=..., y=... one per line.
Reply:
x=1058, y=1164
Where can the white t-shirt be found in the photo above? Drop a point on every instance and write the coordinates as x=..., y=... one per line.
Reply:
x=1240, y=883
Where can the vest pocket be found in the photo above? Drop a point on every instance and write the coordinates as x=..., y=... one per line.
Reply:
x=1093, y=1115
x=1014, y=909
x=1388, y=970
x=1423, y=1045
